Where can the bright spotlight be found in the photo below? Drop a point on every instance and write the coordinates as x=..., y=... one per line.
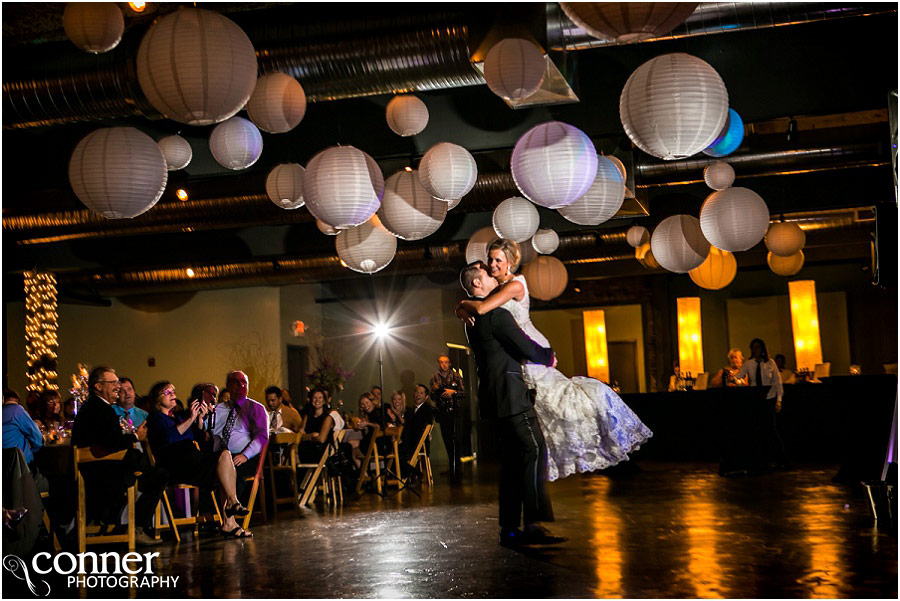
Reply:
x=381, y=331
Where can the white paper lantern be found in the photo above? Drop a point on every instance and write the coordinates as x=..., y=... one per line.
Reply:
x=343, y=186
x=620, y=166
x=476, y=248
x=196, y=66
x=94, y=27
x=718, y=175
x=786, y=266
x=450, y=205
x=527, y=254
x=278, y=103
x=407, y=210
x=327, y=229
x=602, y=200
x=236, y=143
x=514, y=68
x=406, y=115
x=637, y=235
x=673, y=106
x=177, y=151
x=628, y=21
x=546, y=277
x=678, y=244
x=554, y=164
x=717, y=271
x=366, y=248
x=644, y=255
x=284, y=185
x=447, y=171
x=118, y=172
x=734, y=219
x=545, y=241
x=516, y=219
x=785, y=239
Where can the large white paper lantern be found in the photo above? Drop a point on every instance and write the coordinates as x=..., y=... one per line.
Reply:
x=718, y=175
x=327, y=229
x=785, y=239
x=673, y=106
x=546, y=277
x=118, y=172
x=516, y=219
x=343, y=186
x=177, y=151
x=448, y=171
x=406, y=115
x=553, y=164
x=678, y=244
x=734, y=219
x=196, y=66
x=514, y=68
x=628, y=21
x=236, y=143
x=602, y=200
x=94, y=27
x=476, y=248
x=284, y=185
x=366, y=248
x=637, y=235
x=407, y=210
x=785, y=266
x=545, y=241
x=717, y=271
x=278, y=103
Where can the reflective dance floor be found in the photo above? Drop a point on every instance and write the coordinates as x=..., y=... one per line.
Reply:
x=670, y=530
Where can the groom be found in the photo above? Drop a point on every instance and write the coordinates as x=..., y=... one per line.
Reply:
x=500, y=346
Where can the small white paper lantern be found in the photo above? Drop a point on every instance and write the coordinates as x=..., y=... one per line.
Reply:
x=717, y=271
x=734, y=219
x=678, y=244
x=553, y=164
x=447, y=171
x=620, y=166
x=718, y=175
x=343, y=186
x=406, y=115
x=284, y=185
x=94, y=27
x=786, y=266
x=673, y=106
x=628, y=21
x=366, y=248
x=177, y=151
x=637, y=235
x=236, y=143
x=327, y=229
x=516, y=219
x=407, y=210
x=278, y=103
x=196, y=66
x=546, y=277
x=785, y=239
x=545, y=241
x=118, y=172
x=476, y=248
x=514, y=68
x=602, y=200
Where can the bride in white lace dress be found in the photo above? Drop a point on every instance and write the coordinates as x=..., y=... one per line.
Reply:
x=586, y=425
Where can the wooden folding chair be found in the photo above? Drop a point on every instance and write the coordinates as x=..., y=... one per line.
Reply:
x=420, y=454
x=315, y=477
x=334, y=487
x=56, y=545
x=288, y=463
x=372, y=456
x=256, y=488
x=83, y=456
x=392, y=464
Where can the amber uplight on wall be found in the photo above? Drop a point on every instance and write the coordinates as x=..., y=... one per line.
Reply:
x=690, y=338
x=805, y=323
x=595, y=348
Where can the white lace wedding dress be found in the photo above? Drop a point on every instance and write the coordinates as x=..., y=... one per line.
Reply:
x=586, y=425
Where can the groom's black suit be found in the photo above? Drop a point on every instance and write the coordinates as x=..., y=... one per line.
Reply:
x=500, y=346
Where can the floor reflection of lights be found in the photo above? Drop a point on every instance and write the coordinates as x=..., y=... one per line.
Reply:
x=703, y=527
x=606, y=544
x=821, y=529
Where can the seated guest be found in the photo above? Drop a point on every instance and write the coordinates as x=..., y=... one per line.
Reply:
x=417, y=418
x=726, y=375
x=68, y=409
x=787, y=375
x=97, y=427
x=282, y=418
x=675, y=380
x=19, y=430
x=397, y=408
x=376, y=396
x=125, y=405
x=171, y=437
x=370, y=419
x=224, y=396
x=205, y=393
x=318, y=426
x=241, y=427
x=339, y=422
x=31, y=403
x=49, y=411
x=286, y=398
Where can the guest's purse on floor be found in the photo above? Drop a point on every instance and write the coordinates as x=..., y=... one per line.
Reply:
x=341, y=463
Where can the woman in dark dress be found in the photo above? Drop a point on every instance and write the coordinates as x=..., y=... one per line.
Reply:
x=317, y=427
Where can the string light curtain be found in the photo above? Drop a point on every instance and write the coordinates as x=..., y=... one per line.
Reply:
x=41, y=320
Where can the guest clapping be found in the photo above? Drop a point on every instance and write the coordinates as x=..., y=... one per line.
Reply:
x=395, y=413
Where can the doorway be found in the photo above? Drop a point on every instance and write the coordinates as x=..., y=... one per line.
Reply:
x=298, y=367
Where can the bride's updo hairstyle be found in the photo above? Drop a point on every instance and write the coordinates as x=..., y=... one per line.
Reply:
x=510, y=249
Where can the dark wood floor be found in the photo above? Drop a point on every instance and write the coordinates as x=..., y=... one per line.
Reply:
x=671, y=530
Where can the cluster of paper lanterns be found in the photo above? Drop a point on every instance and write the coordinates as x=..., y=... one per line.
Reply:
x=514, y=68
x=284, y=185
x=785, y=241
x=406, y=115
x=95, y=27
x=628, y=21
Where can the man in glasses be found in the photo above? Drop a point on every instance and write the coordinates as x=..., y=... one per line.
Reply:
x=125, y=403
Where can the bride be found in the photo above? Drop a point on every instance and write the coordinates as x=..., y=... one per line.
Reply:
x=586, y=425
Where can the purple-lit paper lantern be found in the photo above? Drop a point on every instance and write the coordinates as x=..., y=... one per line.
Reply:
x=236, y=143
x=729, y=138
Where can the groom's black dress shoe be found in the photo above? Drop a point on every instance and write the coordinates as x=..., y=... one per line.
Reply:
x=538, y=535
x=511, y=537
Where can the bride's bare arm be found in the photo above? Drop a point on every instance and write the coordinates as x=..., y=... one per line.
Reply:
x=500, y=294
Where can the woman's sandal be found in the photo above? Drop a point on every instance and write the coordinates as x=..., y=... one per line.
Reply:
x=236, y=510
x=237, y=532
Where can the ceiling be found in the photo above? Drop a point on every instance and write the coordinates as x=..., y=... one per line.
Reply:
x=829, y=73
